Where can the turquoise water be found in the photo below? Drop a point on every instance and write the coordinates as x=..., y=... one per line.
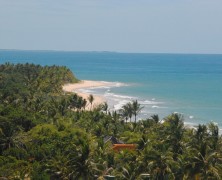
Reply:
x=162, y=83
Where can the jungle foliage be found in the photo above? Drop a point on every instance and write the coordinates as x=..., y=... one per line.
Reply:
x=47, y=134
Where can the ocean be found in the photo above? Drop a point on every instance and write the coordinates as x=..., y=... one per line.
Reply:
x=190, y=84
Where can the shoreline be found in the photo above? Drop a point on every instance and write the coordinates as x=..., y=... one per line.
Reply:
x=100, y=99
x=84, y=84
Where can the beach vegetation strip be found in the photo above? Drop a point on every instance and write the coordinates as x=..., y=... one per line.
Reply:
x=47, y=132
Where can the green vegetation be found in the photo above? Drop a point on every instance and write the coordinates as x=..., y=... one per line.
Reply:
x=41, y=137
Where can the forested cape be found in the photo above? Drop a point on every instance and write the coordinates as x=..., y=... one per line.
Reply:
x=46, y=133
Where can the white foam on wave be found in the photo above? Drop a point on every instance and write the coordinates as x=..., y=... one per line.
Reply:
x=108, y=94
x=119, y=84
x=120, y=104
x=123, y=97
x=220, y=131
x=148, y=102
x=154, y=106
x=100, y=87
x=109, y=85
x=190, y=123
x=215, y=123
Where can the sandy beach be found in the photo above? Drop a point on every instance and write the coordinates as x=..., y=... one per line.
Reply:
x=75, y=87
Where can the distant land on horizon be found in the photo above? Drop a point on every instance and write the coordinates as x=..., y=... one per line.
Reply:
x=120, y=52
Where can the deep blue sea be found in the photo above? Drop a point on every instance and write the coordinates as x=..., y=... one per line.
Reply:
x=190, y=84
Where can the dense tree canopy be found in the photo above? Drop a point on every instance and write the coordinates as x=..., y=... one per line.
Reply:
x=47, y=134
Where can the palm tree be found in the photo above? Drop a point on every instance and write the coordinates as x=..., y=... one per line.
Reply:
x=155, y=118
x=136, y=108
x=175, y=132
x=129, y=110
x=62, y=107
x=10, y=136
x=214, y=135
x=83, y=104
x=104, y=107
x=91, y=99
x=59, y=166
x=73, y=101
x=160, y=165
x=77, y=102
x=126, y=111
x=127, y=167
x=83, y=163
x=204, y=163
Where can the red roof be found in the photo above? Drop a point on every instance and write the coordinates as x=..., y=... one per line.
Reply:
x=118, y=147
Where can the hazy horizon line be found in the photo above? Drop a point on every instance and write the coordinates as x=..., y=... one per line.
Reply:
x=109, y=51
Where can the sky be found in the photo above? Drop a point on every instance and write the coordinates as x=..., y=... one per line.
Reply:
x=142, y=26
